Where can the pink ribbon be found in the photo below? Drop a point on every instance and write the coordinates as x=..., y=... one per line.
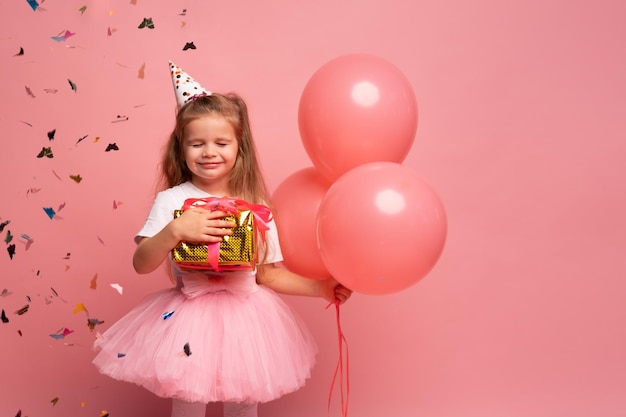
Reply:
x=262, y=216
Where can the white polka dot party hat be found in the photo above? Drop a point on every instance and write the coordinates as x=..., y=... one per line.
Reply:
x=185, y=87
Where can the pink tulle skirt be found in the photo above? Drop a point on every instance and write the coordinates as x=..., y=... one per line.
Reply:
x=218, y=339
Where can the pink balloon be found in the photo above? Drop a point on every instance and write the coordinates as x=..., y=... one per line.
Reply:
x=296, y=201
x=356, y=109
x=381, y=228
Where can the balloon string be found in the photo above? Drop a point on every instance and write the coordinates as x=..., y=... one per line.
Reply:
x=339, y=369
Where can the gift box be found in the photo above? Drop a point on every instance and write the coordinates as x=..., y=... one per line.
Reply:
x=235, y=252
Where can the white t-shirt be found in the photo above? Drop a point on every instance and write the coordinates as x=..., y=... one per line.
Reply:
x=162, y=212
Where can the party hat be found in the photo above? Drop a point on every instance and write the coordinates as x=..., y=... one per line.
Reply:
x=185, y=87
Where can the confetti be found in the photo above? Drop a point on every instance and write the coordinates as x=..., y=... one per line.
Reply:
x=104, y=413
x=81, y=139
x=100, y=240
x=80, y=307
x=112, y=147
x=11, y=250
x=141, y=72
x=50, y=90
x=60, y=334
x=94, y=282
x=47, y=152
x=82, y=9
x=4, y=224
x=51, y=134
x=32, y=191
x=92, y=322
x=183, y=13
x=29, y=241
x=3, y=317
x=20, y=53
x=62, y=36
x=77, y=178
x=22, y=310
x=56, y=175
x=67, y=256
x=121, y=355
x=50, y=212
x=146, y=23
x=167, y=315
x=189, y=45
x=19, y=413
x=118, y=288
x=54, y=401
x=8, y=238
x=120, y=118
x=74, y=87
x=29, y=91
x=33, y=4
x=187, y=349
x=5, y=292
x=116, y=204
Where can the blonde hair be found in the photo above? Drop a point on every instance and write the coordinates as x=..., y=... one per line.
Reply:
x=245, y=179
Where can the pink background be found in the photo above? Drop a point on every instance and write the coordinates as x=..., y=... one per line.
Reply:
x=522, y=131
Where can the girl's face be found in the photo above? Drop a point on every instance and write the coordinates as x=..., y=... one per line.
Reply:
x=210, y=149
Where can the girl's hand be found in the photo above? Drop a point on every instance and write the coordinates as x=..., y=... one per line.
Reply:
x=333, y=291
x=199, y=225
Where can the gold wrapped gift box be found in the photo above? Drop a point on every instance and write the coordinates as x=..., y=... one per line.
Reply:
x=236, y=252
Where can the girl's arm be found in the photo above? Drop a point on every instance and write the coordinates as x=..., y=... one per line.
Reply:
x=284, y=281
x=194, y=225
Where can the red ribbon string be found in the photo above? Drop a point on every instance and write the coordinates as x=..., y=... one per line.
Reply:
x=339, y=369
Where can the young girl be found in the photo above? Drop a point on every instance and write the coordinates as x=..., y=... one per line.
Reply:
x=215, y=336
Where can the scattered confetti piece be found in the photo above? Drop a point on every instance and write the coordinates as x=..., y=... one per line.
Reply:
x=50, y=90
x=62, y=36
x=118, y=288
x=54, y=401
x=8, y=238
x=120, y=118
x=100, y=240
x=112, y=147
x=104, y=413
x=146, y=23
x=60, y=334
x=116, y=204
x=81, y=139
x=51, y=134
x=183, y=13
x=29, y=241
x=33, y=4
x=121, y=355
x=4, y=224
x=94, y=282
x=167, y=315
x=189, y=45
x=77, y=178
x=19, y=413
x=32, y=191
x=50, y=212
x=67, y=256
x=187, y=349
x=47, y=152
x=11, y=250
x=22, y=310
x=56, y=175
x=3, y=317
x=82, y=9
x=20, y=53
x=141, y=72
x=92, y=322
x=26, y=123
x=5, y=292
x=74, y=87
x=29, y=91
x=80, y=307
